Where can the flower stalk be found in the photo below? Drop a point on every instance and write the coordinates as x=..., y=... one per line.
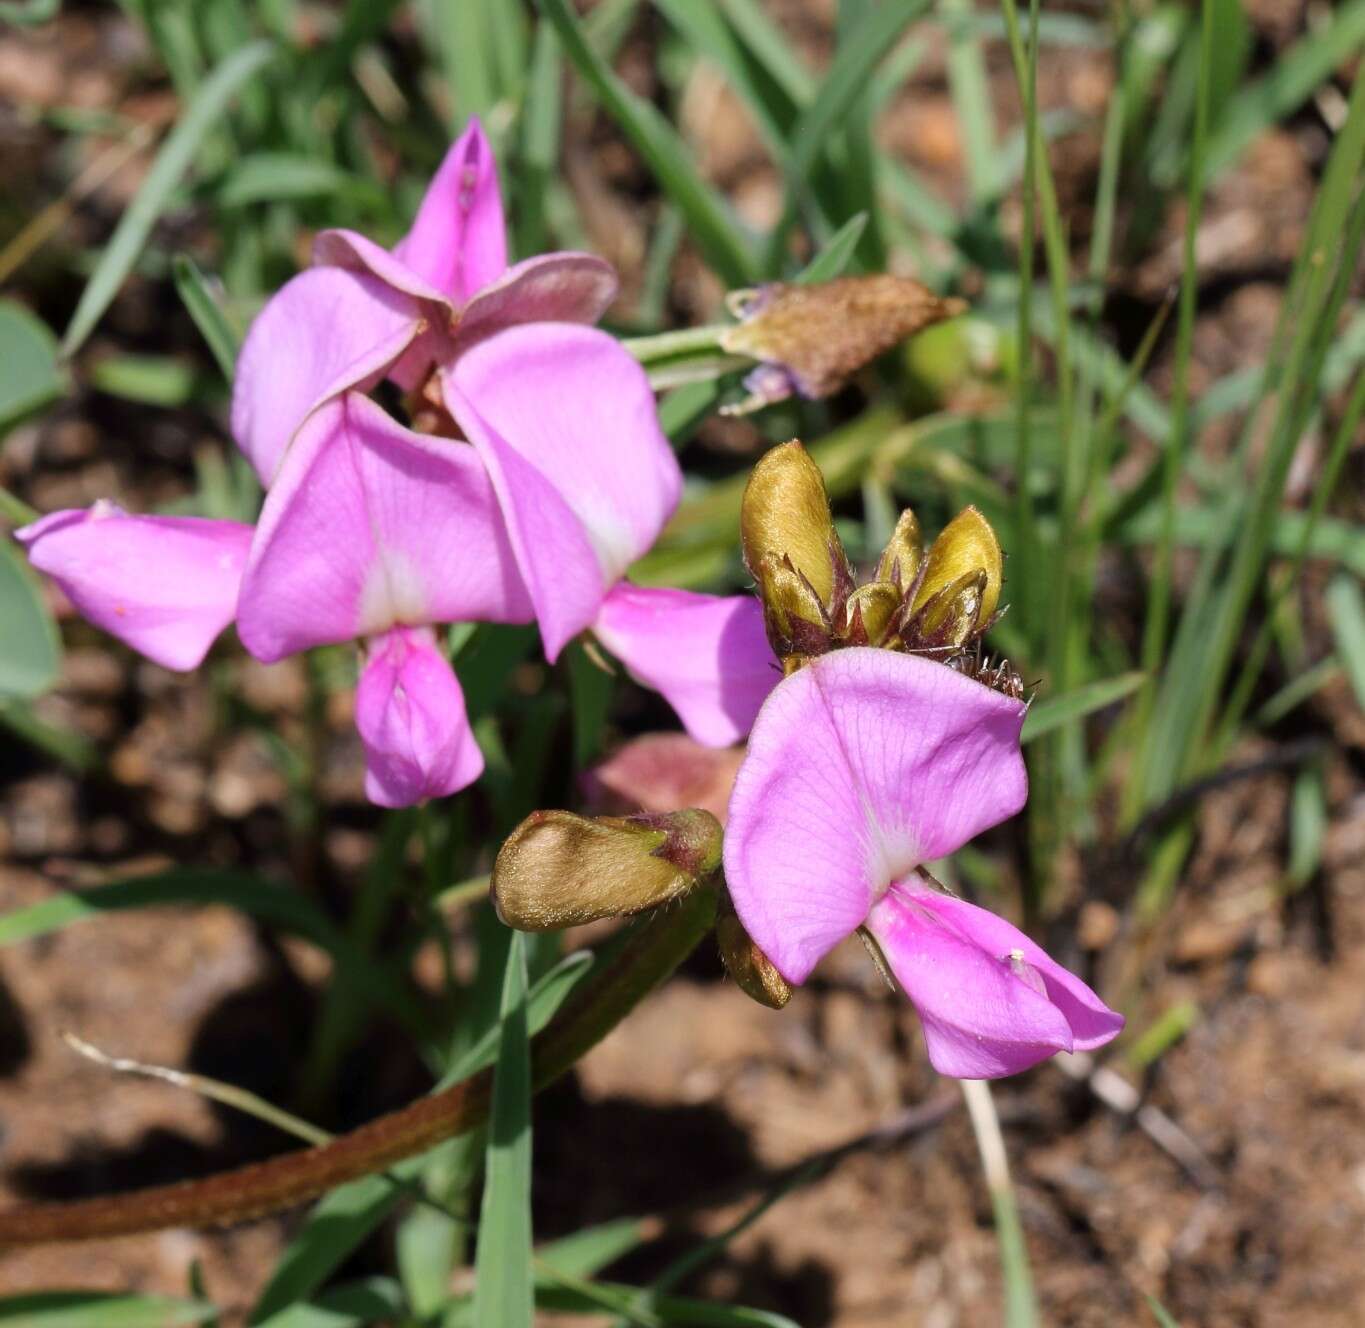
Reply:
x=626, y=971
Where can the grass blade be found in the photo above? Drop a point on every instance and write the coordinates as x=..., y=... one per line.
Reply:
x=130, y=235
x=835, y=256
x=1045, y=716
x=198, y=297
x=1346, y=611
x=504, y=1286
x=31, y=651
x=717, y=233
x=869, y=42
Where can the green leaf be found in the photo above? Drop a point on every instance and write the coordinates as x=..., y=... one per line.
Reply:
x=834, y=257
x=717, y=233
x=202, y=302
x=503, y=1288
x=204, y=114
x=29, y=376
x=1045, y=716
x=98, y=1309
x=666, y=1311
x=588, y=1251
x=1346, y=611
x=150, y=380
x=30, y=650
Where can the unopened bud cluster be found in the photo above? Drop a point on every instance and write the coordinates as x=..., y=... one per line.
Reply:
x=936, y=602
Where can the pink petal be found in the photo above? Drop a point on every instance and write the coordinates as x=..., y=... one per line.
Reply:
x=352, y=252
x=707, y=655
x=165, y=585
x=564, y=419
x=986, y=994
x=551, y=288
x=1091, y=1021
x=458, y=242
x=411, y=716
x=661, y=772
x=371, y=525
x=324, y=332
x=861, y=766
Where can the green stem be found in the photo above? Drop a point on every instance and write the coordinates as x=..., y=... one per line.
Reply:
x=628, y=970
x=668, y=345
x=16, y=510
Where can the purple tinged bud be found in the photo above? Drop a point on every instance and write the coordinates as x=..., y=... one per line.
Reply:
x=558, y=869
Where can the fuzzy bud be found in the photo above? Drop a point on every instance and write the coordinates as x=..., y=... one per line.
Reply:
x=967, y=544
x=785, y=514
x=903, y=555
x=949, y=619
x=794, y=618
x=751, y=969
x=870, y=614
x=558, y=869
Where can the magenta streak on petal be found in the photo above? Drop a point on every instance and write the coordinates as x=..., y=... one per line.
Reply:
x=372, y=525
x=861, y=766
x=411, y=716
x=164, y=585
x=707, y=655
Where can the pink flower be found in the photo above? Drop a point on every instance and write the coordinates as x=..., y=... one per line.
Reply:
x=363, y=312
x=375, y=533
x=862, y=767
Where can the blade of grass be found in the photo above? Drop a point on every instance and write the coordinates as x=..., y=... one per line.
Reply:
x=717, y=233
x=203, y=306
x=1346, y=613
x=203, y=114
x=503, y=1289
x=1045, y=716
x=867, y=45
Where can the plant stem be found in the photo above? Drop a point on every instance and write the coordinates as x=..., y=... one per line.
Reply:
x=1020, y=1308
x=626, y=972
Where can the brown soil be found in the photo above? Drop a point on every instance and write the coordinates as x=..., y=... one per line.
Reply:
x=702, y=1099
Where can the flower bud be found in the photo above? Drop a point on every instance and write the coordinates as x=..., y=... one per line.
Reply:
x=793, y=617
x=950, y=618
x=785, y=513
x=870, y=614
x=966, y=544
x=559, y=870
x=820, y=335
x=904, y=552
x=752, y=970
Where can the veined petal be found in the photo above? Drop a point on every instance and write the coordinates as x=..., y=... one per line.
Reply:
x=325, y=331
x=1091, y=1022
x=564, y=419
x=550, y=288
x=985, y=1014
x=371, y=525
x=706, y=654
x=861, y=766
x=458, y=242
x=410, y=712
x=164, y=585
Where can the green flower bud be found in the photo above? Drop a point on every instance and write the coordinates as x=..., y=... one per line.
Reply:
x=785, y=514
x=904, y=552
x=950, y=618
x=559, y=870
x=794, y=618
x=870, y=614
x=966, y=544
